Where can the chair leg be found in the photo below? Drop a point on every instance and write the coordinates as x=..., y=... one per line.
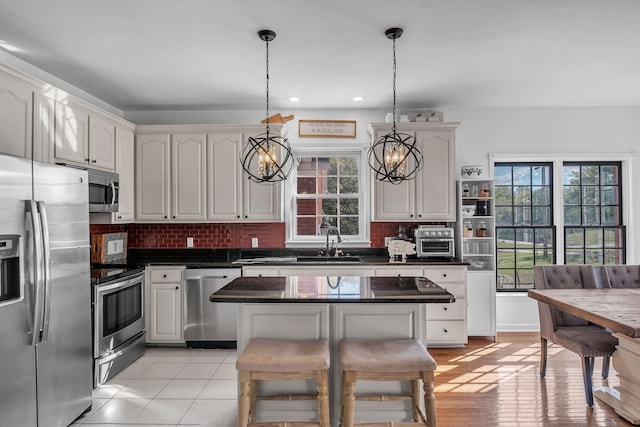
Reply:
x=348, y=399
x=323, y=399
x=606, y=360
x=543, y=357
x=587, y=370
x=429, y=398
x=244, y=399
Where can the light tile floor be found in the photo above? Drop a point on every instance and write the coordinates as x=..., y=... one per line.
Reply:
x=169, y=387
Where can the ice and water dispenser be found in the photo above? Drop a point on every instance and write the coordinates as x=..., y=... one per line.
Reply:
x=10, y=283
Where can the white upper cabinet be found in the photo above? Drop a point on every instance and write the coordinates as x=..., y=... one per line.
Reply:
x=170, y=177
x=188, y=168
x=152, y=177
x=231, y=196
x=224, y=195
x=430, y=196
x=125, y=167
x=16, y=115
x=84, y=138
x=44, y=115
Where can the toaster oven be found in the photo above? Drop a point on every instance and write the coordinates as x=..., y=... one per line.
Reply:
x=434, y=241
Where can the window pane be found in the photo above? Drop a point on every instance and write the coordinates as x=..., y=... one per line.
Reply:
x=591, y=215
x=574, y=238
x=572, y=215
x=610, y=215
x=503, y=196
x=571, y=195
x=590, y=196
x=505, y=236
x=504, y=216
x=349, y=166
x=349, y=185
x=306, y=207
x=593, y=238
x=574, y=256
x=306, y=185
x=332, y=185
x=594, y=256
x=522, y=215
x=540, y=175
x=521, y=196
x=349, y=226
x=609, y=195
x=330, y=207
x=522, y=175
x=613, y=238
x=609, y=175
x=571, y=175
x=541, y=196
x=307, y=226
x=590, y=175
x=307, y=166
x=349, y=207
x=541, y=216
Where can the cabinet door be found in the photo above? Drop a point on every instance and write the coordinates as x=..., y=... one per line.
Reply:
x=223, y=189
x=435, y=184
x=16, y=113
x=261, y=201
x=188, y=165
x=481, y=296
x=102, y=143
x=125, y=154
x=152, y=177
x=165, y=309
x=72, y=134
x=43, y=128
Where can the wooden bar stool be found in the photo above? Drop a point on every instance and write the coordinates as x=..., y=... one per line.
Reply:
x=280, y=359
x=388, y=360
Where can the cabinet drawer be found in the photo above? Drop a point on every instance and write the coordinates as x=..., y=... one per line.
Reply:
x=160, y=276
x=443, y=331
x=445, y=311
x=443, y=275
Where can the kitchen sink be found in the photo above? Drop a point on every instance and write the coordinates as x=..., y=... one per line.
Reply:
x=331, y=259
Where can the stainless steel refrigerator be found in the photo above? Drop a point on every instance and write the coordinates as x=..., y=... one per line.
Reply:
x=45, y=300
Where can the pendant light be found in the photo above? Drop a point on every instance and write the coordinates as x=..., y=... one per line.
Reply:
x=266, y=158
x=395, y=157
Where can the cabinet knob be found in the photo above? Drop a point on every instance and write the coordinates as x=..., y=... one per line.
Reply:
x=119, y=217
x=411, y=216
x=164, y=275
x=93, y=161
x=246, y=216
x=176, y=288
x=238, y=216
x=445, y=331
x=445, y=308
x=420, y=216
x=86, y=160
x=174, y=217
x=444, y=275
x=165, y=217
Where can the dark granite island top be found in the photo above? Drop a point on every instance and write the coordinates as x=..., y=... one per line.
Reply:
x=332, y=289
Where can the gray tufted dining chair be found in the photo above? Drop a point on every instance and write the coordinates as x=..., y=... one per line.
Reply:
x=621, y=276
x=573, y=333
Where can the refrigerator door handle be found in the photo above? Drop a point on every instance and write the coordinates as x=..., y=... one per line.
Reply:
x=46, y=260
x=38, y=309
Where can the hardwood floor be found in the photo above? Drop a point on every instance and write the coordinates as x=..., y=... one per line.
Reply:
x=498, y=384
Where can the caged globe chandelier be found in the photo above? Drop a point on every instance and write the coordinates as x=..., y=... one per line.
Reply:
x=266, y=158
x=395, y=157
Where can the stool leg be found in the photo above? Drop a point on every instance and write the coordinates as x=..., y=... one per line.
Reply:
x=253, y=400
x=429, y=398
x=348, y=398
x=244, y=403
x=322, y=381
x=415, y=399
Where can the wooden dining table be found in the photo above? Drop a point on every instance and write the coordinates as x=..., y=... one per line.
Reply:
x=618, y=310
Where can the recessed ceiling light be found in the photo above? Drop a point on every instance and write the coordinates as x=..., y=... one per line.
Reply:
x=357, y=98
x=294, y=99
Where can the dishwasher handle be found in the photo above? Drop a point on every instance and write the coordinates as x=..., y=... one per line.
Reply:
x=206, y=277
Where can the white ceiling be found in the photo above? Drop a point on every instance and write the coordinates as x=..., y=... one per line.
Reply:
x=206, y=55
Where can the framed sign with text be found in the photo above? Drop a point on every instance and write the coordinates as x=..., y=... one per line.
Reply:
x=327, y=128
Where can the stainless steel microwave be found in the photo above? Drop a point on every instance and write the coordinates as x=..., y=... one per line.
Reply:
x=104, y=189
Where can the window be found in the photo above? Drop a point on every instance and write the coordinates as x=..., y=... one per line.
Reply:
x=524, y=228
x=590, y=220
x=327, y=190
x=593, y=229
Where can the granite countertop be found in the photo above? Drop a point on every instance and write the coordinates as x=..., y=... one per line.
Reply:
x=323, y=289
x=236, y=258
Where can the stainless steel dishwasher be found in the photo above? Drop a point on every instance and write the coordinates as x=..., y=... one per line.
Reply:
x=208, y=324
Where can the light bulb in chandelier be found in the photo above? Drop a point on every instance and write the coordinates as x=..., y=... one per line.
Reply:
x=266, y=157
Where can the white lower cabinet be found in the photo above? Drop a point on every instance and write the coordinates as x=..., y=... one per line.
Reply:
x=447, y=323
x=164, y=291
x=481, y=313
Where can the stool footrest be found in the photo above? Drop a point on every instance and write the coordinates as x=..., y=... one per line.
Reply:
x=288, y=397
x=284, y=424
x=391, y=424
x=383, y=397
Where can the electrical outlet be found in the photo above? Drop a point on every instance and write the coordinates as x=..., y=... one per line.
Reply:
x=254, y=242
x=189, y=242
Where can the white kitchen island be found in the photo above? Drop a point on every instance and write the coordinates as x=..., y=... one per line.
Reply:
x=326, y=307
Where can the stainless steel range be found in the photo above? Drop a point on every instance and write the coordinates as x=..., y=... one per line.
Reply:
x=118, y=320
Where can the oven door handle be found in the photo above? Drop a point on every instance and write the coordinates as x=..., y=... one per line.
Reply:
x=121, y=284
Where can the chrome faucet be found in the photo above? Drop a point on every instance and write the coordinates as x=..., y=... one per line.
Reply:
x=339, y=239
